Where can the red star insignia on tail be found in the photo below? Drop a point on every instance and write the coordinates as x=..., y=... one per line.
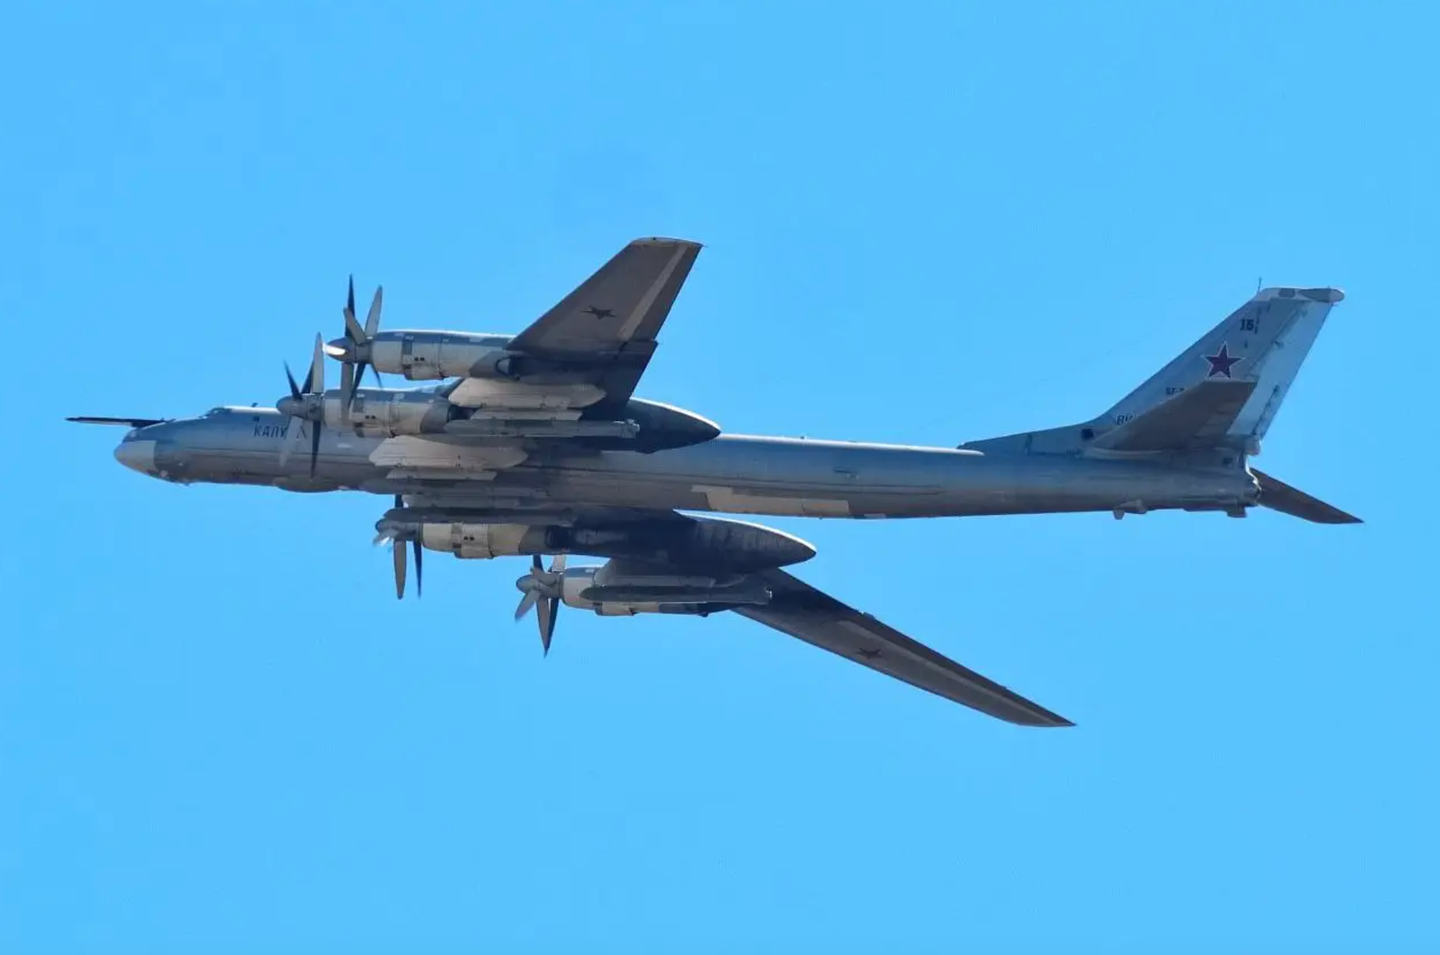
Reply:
x=1221, y=362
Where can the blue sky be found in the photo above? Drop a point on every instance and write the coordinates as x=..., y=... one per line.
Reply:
x=924, y=222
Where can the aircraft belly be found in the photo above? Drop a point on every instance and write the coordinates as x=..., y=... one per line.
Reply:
x=892, y=483
x=636, y=481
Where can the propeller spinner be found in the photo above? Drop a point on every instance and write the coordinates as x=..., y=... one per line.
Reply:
x=542, y=590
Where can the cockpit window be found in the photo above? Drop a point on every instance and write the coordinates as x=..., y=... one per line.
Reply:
x=216, y=411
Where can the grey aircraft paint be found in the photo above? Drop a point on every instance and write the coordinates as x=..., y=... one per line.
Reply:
x=730, y=473
x=540, y=447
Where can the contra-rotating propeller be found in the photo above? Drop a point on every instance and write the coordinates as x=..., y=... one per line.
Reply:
x=305, y=404
x=397, y=552
x=542, y=589
x=353, y=348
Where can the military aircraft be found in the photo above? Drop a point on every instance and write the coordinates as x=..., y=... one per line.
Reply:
x=534, y=444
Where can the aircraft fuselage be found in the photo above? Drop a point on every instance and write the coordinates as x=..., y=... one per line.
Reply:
x=730, y=474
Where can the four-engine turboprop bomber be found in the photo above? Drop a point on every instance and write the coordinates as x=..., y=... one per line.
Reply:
x=534, y=444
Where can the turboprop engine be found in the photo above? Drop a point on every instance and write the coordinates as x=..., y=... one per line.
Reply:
x=430, y=355
x=369, y=412
x=374, y=412
x=495, y=383
x=624, y=588
x=466, y=540
x=707, y=543
x=676, y=565
x=483, y=541
x=417, y=355
x=382, y=413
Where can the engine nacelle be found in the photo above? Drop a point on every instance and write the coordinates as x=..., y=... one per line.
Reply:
x=611, y=595
x=390, y=414
x=713, y=549
x=705, y=542
x=483, y=541
x=432, y=355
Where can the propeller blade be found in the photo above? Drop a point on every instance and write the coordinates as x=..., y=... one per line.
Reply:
x=353, y=331
x=294, y=388
x=526, y=602
x=419, y=566
x=372, y=320
x=360, y=376
x=317, y=366
x=397, y=554
x=314, y=445
x=557, y=566
x=536, y=564
x=288, y=442
x=547, y=609
x=352, y=327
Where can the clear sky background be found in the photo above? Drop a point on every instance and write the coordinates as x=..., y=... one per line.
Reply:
x=220, y=732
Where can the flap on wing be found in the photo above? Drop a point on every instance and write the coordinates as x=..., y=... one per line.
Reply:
x=626, y=300
x=817, y=618
x=1196, y=418
x=1279, y=496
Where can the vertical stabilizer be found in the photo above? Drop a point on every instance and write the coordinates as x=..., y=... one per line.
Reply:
x=1220, y=393
x=1263, y=342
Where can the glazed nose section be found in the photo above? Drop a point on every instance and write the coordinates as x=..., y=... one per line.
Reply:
x=137, y=455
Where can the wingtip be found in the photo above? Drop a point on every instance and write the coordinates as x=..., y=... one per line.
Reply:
x=1334, y=296
x=1326, y=294
x=1036, y=716
x=666, y=240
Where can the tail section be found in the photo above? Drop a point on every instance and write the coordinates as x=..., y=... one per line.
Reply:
x=1213, y=403
x=1263, y=342
x=1220, y=393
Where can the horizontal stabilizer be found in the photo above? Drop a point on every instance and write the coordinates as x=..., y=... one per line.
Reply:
x=1279, y=496
x=1195, y=418
x=128, y=422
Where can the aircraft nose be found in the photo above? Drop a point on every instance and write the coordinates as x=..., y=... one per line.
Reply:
x=137, y=455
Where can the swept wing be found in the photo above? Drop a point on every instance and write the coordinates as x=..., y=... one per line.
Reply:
x=661, y=541
x=817, y=618
x=609, y=323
